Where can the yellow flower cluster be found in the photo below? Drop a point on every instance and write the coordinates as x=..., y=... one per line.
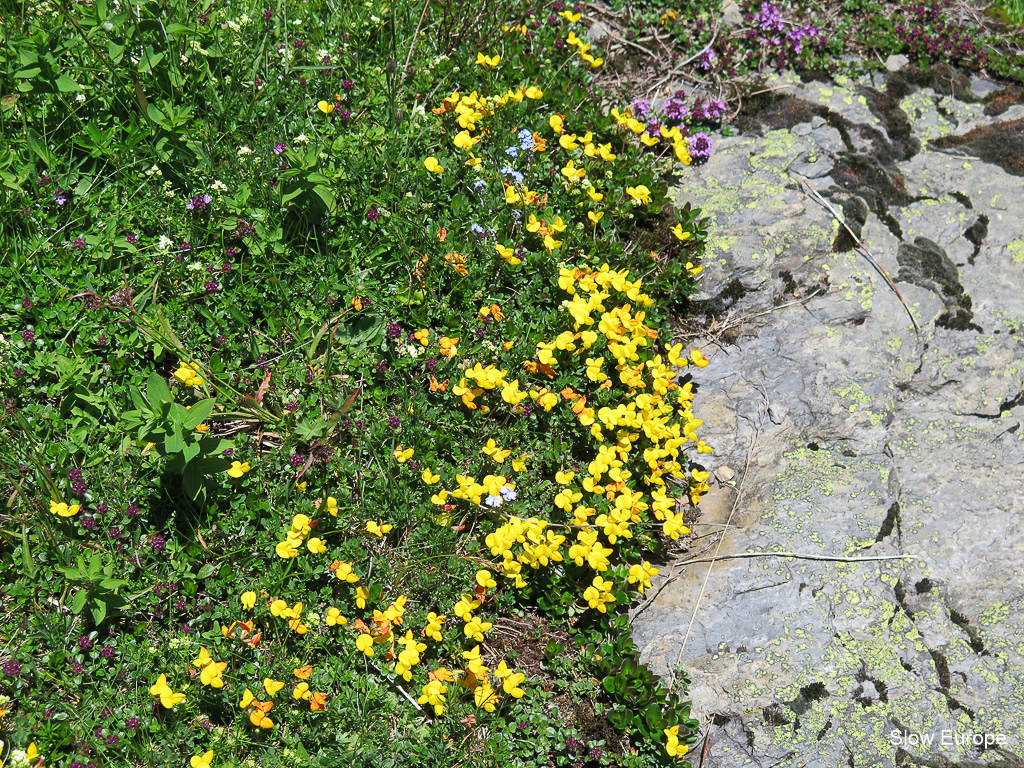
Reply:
x=673, y=136
x=672, y=746
x=292, y=615
x=188, y=374
x=63, y=510
x=583, y=49
x=646, y=430
x=162, y=690
x=211, y=670
x=299, y=530
x=476, y=677
x=409, y=656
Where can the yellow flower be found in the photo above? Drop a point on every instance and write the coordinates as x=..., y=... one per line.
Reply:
x=594, y=217
x=377, y=528
x=572, y=173
x=301, y=691
x=511, y=685
x=238, y=468
x=365, y=644
x=332, y=506
x=488, y=62
x=428, y=477
x=362, y=595
x=640, y=193
x=32, y=752
x=422, y=336
x=188, y=374
x=679, y=233
x=448, y=346
x=272, y=686
x=434, y=626
x=316, y=546
x=334, y=617
x=248, y=600
x=594, y=195
x=698, y=359
x=533, y=92
x=568, y=141
x=551, y=244
x=556, y=123
x=202, y=761
x=571, y=17
x=402, y=455
x=494, y=452
x=211, y=674
x=324, y=107
x=693, y=270
x=673, y=747
x=519, y=465
x=485, y=579
x=63, y=509
x=432, y=165
x=202, y=659
x=168, y=698
x=300, y=487
x=247, y=698
x=464, y=141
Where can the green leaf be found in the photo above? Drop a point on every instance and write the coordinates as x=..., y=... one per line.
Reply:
x=26, y=553
x=38, y=146
x=198, y=413
x=173, y=442
x=99, y=611
x=66, y=85
x=79, y=602
x=189, y=451
x=157, y=391
x=329, y=198
x=208, y=570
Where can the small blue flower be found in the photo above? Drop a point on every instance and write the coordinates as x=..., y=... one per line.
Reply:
x=512, y=151
x=493, y=501
x=508, y=493
x=480, y=184
x=525, y=139
x=474, y=227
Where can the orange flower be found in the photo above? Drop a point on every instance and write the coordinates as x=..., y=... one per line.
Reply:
x=303, y=673
x=319, y=701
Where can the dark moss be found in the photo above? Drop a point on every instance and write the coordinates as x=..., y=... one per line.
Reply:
x=855, y=213
x=771, y=111
x=891, y=522
x=925, y=264
x=963, y=199
x=977, y=233
x=941, y=78
x=999, y=101
x=774, y=716
x=1001, y=144
x=924, y=586
x=897, y=125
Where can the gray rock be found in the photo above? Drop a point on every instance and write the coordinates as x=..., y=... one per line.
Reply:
x=731, y=14
x=842, y=432
x=896, y=62
x=597, y=32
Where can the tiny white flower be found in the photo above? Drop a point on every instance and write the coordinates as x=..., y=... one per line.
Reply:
x=164, y=244
x=80, y=98
x=301, y=138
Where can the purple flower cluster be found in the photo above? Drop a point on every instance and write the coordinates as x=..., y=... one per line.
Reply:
x=707, y=110
x=296, y=460
x=674, y=109
x=199, y=203
x=78, y=244
x=700, y=146
x=11, y=668
x=372, y=214
x=280, y=147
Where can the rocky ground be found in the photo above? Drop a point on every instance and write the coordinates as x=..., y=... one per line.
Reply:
x=842, y=431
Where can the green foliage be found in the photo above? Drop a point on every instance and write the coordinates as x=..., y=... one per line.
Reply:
x=208, y=271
